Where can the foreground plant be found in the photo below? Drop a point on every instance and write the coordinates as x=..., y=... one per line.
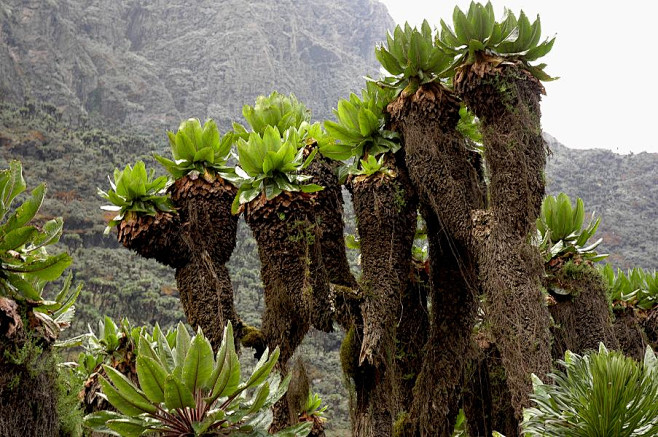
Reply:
x=187, y=390
x=25, y=265
x=30, y=324
x=601, y=394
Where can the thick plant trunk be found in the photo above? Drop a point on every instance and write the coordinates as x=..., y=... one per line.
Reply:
x=487, y=400
x=583, y=318
x=446, y=176
x=157, y=237
x=453, y=308
x=206, y=295
x=28, y=376
x=506, y=100
x=411, y=337
x=285, y=231
x=650, y=325
x=329, y=214
x=385, y=208
x=632, y=339
x=209, y=232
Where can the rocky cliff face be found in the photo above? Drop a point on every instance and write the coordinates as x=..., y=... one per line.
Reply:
x=151, y=63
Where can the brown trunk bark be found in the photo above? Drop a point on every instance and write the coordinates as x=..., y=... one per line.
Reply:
x=155, y=237
x=487, y=400
x=631, y=336
x=385, y=208
x=28, y=377
x=446, y=176
x=329, y=214
x=582, y=319
x=506, y=100
x=411, y=337
x=284, y=229
x=650, y=325
x=208, y=230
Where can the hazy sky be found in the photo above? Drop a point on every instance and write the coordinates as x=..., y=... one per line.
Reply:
x=605, y=56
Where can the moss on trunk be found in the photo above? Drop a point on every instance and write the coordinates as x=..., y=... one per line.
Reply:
x=385, y=208
x=487, y=399
x=506, y=100
x=28, y=377
x=632, y=339
x=583, y=318
x=453, y=293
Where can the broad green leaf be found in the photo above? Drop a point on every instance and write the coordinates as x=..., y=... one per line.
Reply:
x=26, y=212
x=198, y=364
x=46, y=270
x=182, y=344
x=127, y=427
x=151, y=377
x=12, y=240
x=177, y=395
x=262, y=369
x=128, y=391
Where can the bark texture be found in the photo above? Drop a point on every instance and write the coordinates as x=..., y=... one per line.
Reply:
x=438, y=388
x=446, y=176
x=583, y=319
x=385, y=208
x=632, y=339
x=156, y=237
x=506, y=100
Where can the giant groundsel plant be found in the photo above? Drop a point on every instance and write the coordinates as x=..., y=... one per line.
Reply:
x=135, y=192
x=271, y=164
x=477, y=36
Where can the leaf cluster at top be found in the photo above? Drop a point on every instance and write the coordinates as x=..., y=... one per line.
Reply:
x=412, y=58
x=560, y=231
x=277, y=110
x=360, y=130
x=270, y=164
x=415, y=57
x=200, y=149
x=478, y=33
x=636, y=287
x=136, y=191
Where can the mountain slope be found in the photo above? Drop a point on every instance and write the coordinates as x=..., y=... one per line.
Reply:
x=152, y=63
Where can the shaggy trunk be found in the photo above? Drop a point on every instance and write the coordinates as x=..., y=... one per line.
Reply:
x=632, y=339
x=650, y=325
x=581, y=312
x=329, y=213
x=208, y=231
x=385, y=208
x=487, y=400
x=453, y=308
x=411, y=336
x=506, y=100
x=157, y=237
x=285, y=230
x=447, y=177
x=28, y=376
